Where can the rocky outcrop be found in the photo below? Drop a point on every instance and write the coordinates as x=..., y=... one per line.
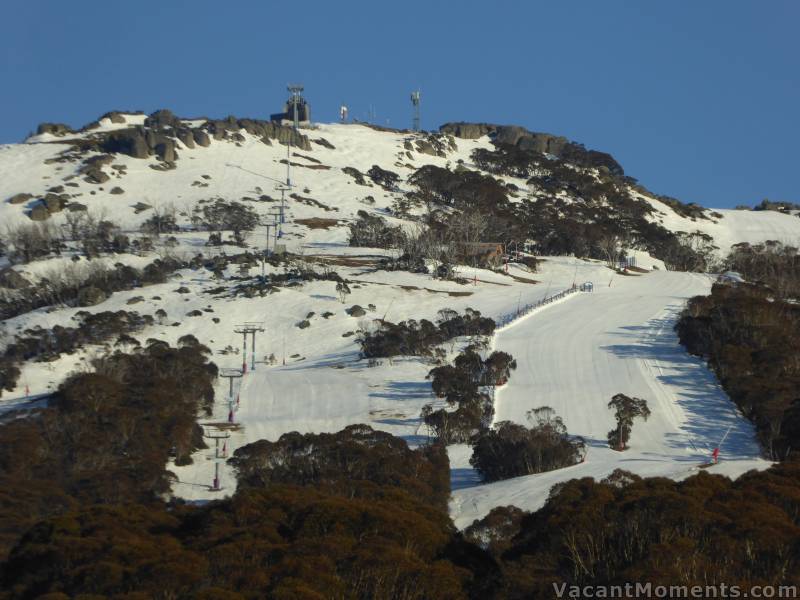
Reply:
x=21, y=198
x=186, y=137
x=55, y=202
x=201, y=138
x=162, y=119
x=127, y=141
x=39, y=213
x=545, y=143
x=54, y=129
x=467, y=131
x=266, y=130
x=12, y=280
x=114, y=116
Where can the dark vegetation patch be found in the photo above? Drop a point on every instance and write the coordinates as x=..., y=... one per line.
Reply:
x=771, y=263
x=752, y=342
x=419, y=338
x=386, y=179
x=600, y=205
x=311, y=202
x=318, y=223
x=625, y=528
x=371, y=459
x=105, y=437
x=512, y=450
x=64, y=288
x=463, y=385
x=355, y=174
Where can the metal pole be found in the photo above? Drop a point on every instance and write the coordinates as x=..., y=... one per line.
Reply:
x=244, y=353
x=253, y=351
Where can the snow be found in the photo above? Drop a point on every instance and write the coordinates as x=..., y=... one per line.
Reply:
x=577, y=355
x=573, y=354
x=734, y=226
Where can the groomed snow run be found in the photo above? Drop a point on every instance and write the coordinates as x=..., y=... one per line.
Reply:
x=576, y=355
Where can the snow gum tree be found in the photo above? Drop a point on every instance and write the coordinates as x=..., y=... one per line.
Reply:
x=626, y=409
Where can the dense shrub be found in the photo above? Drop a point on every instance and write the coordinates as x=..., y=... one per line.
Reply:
x=222, y=215
x=373, y=232
x=418, y=338
x=460, y=384
x=752, y=342
x=772, y=263
x=511, y=450
x=705, y=530
x=105, y=436
x=65, y=285
x=355, y=462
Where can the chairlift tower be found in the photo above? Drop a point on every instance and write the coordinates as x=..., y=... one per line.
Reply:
x=230, y=375
x=249, y=328
x=218, y=456
x=415, y=98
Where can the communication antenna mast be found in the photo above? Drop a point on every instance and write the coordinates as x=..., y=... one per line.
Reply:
x=415, y=97
x=295, y=89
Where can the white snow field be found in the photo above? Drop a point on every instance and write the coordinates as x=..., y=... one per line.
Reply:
x=573, y=355
x=577, y=355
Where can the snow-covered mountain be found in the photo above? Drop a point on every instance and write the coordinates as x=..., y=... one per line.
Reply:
x=572, y=355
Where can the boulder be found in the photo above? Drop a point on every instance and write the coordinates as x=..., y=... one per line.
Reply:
x=90, y=296
x=21, y=198
x=39, y=213
x=165, y=149
x=467, y=131
x=114, y=117
x=94, y=175
x=116, y=190
x=55, y=202
x=201, y=138
x=75, y=206
x=12, y=280
x=127, y=141
x=355, y=311
x=161, y=119
x=186, y=137
x=56, y=189
x=99, y=160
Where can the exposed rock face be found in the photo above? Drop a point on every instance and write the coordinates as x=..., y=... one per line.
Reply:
x=21, y=198
x=54, y=129
x=127, y=141
x=467, y=131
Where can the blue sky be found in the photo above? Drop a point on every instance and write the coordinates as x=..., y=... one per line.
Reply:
x=698, y=100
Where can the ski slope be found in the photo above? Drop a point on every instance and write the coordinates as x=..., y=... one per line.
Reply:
x=572, y=355
x=576, y=355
